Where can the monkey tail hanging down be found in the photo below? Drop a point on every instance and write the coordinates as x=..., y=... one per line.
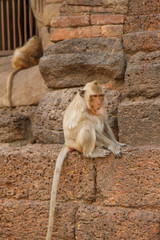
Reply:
x=24, y=57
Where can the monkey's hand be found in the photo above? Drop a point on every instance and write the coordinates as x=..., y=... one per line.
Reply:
x=116, y=150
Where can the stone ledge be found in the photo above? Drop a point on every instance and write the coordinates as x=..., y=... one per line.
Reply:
x=27, y=172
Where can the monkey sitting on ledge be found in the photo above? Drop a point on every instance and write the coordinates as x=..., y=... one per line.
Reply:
x=85, y=126
x=24, y=57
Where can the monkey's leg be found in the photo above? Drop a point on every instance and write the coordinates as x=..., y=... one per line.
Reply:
x=86, y=139
x=112, y=146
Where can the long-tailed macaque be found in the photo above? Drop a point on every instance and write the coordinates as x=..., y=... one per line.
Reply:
x=24, y=57
x=85, y=127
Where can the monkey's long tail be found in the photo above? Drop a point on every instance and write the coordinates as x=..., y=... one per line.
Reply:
x=9, y=86
x=62, y=155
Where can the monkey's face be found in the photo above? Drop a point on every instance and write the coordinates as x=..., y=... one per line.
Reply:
x=96, y=102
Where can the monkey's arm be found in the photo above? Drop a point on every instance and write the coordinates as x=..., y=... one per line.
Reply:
x=59, y=162
x=110, y=134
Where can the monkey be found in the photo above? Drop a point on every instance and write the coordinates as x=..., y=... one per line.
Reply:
x=24, y=57
x=86, y=130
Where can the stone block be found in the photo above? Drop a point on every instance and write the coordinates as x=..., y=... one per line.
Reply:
x=96, y=222
x=139, y=23
x=27, y=172
x=142, y=77
x=28, y=220
x=72, y=33
x=47, y=123
x=139, y=7
x=109, y=31
x=139, y=122
x=106, y=19
x=14, y=127
x=141, y=41
x=70, y=21
x=71, y=10
x=132, y=181
x=75, y=62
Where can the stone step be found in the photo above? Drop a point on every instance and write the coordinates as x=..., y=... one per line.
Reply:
x=126, y=191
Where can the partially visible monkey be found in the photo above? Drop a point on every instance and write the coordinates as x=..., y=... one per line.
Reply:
x=85, y=126
x=24, y=57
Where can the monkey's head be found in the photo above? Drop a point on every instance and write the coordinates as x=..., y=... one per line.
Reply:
x=93, y=93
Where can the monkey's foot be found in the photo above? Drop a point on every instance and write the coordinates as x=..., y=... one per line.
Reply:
x=116, y=150
x=99, y=152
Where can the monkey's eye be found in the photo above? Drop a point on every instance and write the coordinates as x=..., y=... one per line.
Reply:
x=95, y=96
x=101, y=95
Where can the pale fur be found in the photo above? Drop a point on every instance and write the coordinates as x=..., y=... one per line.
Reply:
x=83, y=129
x=23, y=57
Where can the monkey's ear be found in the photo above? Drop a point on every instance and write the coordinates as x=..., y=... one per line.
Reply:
x=95, y=82
x=81, y=92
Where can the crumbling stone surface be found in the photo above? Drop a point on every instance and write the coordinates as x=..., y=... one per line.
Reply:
x=101, y=198
x=142, y=77
x=139, y=23
x=143, y=7
x=96, y=222
x=27, y=172
x=47, y=123
x=146, y=41
x=28, y=220
x=132, y=181
x=14, y=126
x=139, y=122
x=75, y=62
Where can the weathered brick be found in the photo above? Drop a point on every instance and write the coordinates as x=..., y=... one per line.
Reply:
x=112, y=223
x=142, y=77
x=139, y=122
x=141, y=41
x=27, y=172
x=71, y=33
x=106, y=19
x=133, y=180
x=142, y=23
x=74, y=10
x=70, y=21
x=109, y=31
x=84, y=2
